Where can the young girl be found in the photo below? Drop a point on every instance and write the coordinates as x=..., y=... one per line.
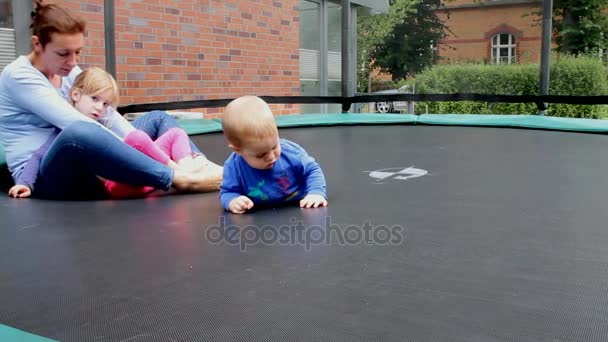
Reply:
x=34, y=95
x=93, y=94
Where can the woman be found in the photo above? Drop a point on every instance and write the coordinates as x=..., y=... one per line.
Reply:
x=33, y=103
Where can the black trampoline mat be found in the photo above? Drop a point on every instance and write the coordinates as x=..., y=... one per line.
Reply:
x=504, y=238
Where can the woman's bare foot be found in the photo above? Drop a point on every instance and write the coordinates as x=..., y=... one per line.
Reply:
x=213, y=170
x=184, y=181
x=188, y=164
x=175, y=165
x=195, y=163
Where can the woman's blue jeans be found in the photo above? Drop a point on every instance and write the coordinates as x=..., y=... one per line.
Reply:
x=84, y=151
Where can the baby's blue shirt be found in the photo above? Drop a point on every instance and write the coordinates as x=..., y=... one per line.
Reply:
x=293, y=176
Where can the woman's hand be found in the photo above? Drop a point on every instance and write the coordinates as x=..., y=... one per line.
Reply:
x=20, y=191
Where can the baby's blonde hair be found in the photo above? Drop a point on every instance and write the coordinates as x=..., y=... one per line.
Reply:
x=94, y=81
x=248, y=117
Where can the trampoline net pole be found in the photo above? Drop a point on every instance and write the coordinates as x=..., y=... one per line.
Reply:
x=545, y=54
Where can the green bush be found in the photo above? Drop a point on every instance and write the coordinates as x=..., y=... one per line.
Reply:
x=568, y=76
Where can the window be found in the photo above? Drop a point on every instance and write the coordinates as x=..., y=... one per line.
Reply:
x=334, y=54
x=310, y=53
x=320, y=53
x=503, y=49
x=7, y=34
x=6, y=14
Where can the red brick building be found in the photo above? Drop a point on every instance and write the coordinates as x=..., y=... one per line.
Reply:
x=180, y=50
x=194, y=50
x=493, y=31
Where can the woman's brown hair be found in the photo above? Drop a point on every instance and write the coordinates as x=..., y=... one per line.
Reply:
x=48, y=18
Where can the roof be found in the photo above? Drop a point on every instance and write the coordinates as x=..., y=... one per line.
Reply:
x=492, y=3
x=377, y=5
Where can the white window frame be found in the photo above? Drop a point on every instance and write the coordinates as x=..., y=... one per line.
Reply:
x=511, y=47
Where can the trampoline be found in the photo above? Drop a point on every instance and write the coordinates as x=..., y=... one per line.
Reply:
x=433, y=232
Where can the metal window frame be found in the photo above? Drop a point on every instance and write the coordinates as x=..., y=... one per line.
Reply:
x=348, y=47
x=21, y=24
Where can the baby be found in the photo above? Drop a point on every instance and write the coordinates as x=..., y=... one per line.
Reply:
x=265, y=170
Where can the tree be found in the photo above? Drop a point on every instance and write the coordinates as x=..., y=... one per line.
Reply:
x=402, y=42
x=580, y=26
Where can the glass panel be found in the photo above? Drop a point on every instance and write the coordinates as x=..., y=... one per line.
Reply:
x=495, y=40
x=309, y=88
x=310, y=39
x=504, y=39
x=6, y=14
x=310, y=44
x=334, y=56
x=334, y=88
x=504, y=52
x=310, y=26
x=512, y=39
x=334, y=27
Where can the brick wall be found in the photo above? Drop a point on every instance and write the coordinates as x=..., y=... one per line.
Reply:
x=172, y=50
x=472, y=29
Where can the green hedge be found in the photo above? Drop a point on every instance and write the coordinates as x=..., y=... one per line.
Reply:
x=568, y=76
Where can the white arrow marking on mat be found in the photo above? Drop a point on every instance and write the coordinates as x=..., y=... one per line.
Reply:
x=398, y=173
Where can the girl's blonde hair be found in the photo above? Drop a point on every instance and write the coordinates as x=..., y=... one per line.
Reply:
x=246, y=118
x=94, y=81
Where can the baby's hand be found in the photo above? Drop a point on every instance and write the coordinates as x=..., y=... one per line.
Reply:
x=313, y=201
x=240, y=205
x=20, y=191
